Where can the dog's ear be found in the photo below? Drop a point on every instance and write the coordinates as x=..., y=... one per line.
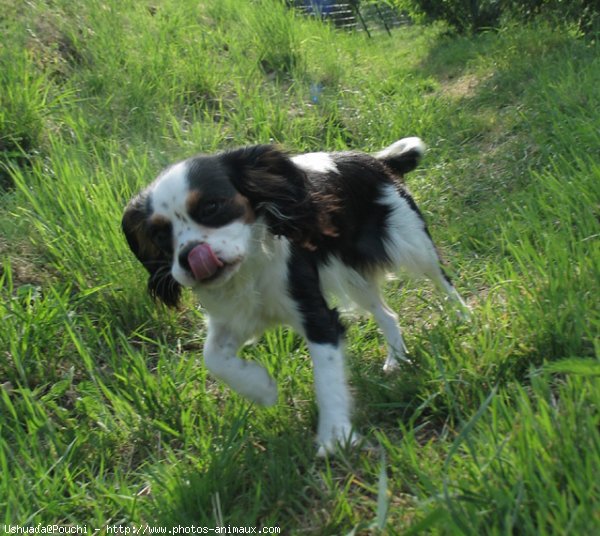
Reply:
x=161, y=284
x=276, y=188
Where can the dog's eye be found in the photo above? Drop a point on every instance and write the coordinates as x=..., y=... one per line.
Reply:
x=216, y=212
x=210, y=208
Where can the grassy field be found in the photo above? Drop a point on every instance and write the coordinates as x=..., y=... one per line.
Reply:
x=107, y=416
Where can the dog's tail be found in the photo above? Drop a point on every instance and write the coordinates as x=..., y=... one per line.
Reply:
x=402, y=156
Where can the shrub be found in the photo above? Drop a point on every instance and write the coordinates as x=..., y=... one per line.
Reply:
x=475, y=15
x=464, y=17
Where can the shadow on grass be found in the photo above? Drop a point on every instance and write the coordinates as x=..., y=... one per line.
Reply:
x=247, y=479
x=494, y=128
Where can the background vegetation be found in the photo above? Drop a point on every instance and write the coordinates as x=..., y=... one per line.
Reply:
x=106, y=413
x=478, y=15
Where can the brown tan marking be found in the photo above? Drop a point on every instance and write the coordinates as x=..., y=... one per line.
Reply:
x=192, y=200
x=156, y=220
x=249, y=215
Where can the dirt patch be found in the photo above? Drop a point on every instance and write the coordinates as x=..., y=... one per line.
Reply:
x=54, y=50
x=463, y=87
x=24, y=271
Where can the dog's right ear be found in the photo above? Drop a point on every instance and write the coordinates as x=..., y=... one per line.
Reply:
x=277, y=189
x=161, y=283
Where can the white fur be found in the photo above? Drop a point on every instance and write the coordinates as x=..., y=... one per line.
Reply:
x=408, y=244
x=410, y=247
x=318, y=162
x=339, y=281
x=333, y=397
x=246, y=377
x=257, y=297
x=402, y=146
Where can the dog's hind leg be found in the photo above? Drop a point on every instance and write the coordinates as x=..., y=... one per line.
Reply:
x=409, y=245
x=440, y=279
x=368, y=297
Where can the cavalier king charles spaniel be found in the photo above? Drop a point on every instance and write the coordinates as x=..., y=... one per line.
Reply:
x=265, y=238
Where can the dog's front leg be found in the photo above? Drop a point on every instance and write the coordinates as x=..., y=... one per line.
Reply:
x=324, y=335
x=333, y=397
x=247, y=378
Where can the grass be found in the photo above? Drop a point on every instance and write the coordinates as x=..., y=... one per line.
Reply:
x=107, y=414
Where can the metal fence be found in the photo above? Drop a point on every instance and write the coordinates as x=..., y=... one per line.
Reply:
x=354, y=15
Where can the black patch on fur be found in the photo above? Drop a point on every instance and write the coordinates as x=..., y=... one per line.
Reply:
x=277, y=190
x=405, y=162
x=216, y=207
x=350, y=199
x=322, y=324
x=216, y=212
x=155, y=257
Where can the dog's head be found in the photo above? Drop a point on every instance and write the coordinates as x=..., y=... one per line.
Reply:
x=193, y=226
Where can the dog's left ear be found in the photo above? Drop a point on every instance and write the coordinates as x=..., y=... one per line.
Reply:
x=277, y=189
x=161, y=283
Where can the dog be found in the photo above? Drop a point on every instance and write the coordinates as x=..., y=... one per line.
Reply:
x=266, y=238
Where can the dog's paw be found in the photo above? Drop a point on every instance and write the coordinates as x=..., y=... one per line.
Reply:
x=391, y=365
x=464, y=312
x=266, y=395
x=269, y=396
x=259, y=386
x=336, y=438
x=392, y=362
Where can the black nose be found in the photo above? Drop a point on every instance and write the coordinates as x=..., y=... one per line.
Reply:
x=184, y=254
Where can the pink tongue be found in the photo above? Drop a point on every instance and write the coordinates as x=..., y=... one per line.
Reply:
x=203, y=262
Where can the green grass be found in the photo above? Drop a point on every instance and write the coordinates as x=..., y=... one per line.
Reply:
x=107, y=415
